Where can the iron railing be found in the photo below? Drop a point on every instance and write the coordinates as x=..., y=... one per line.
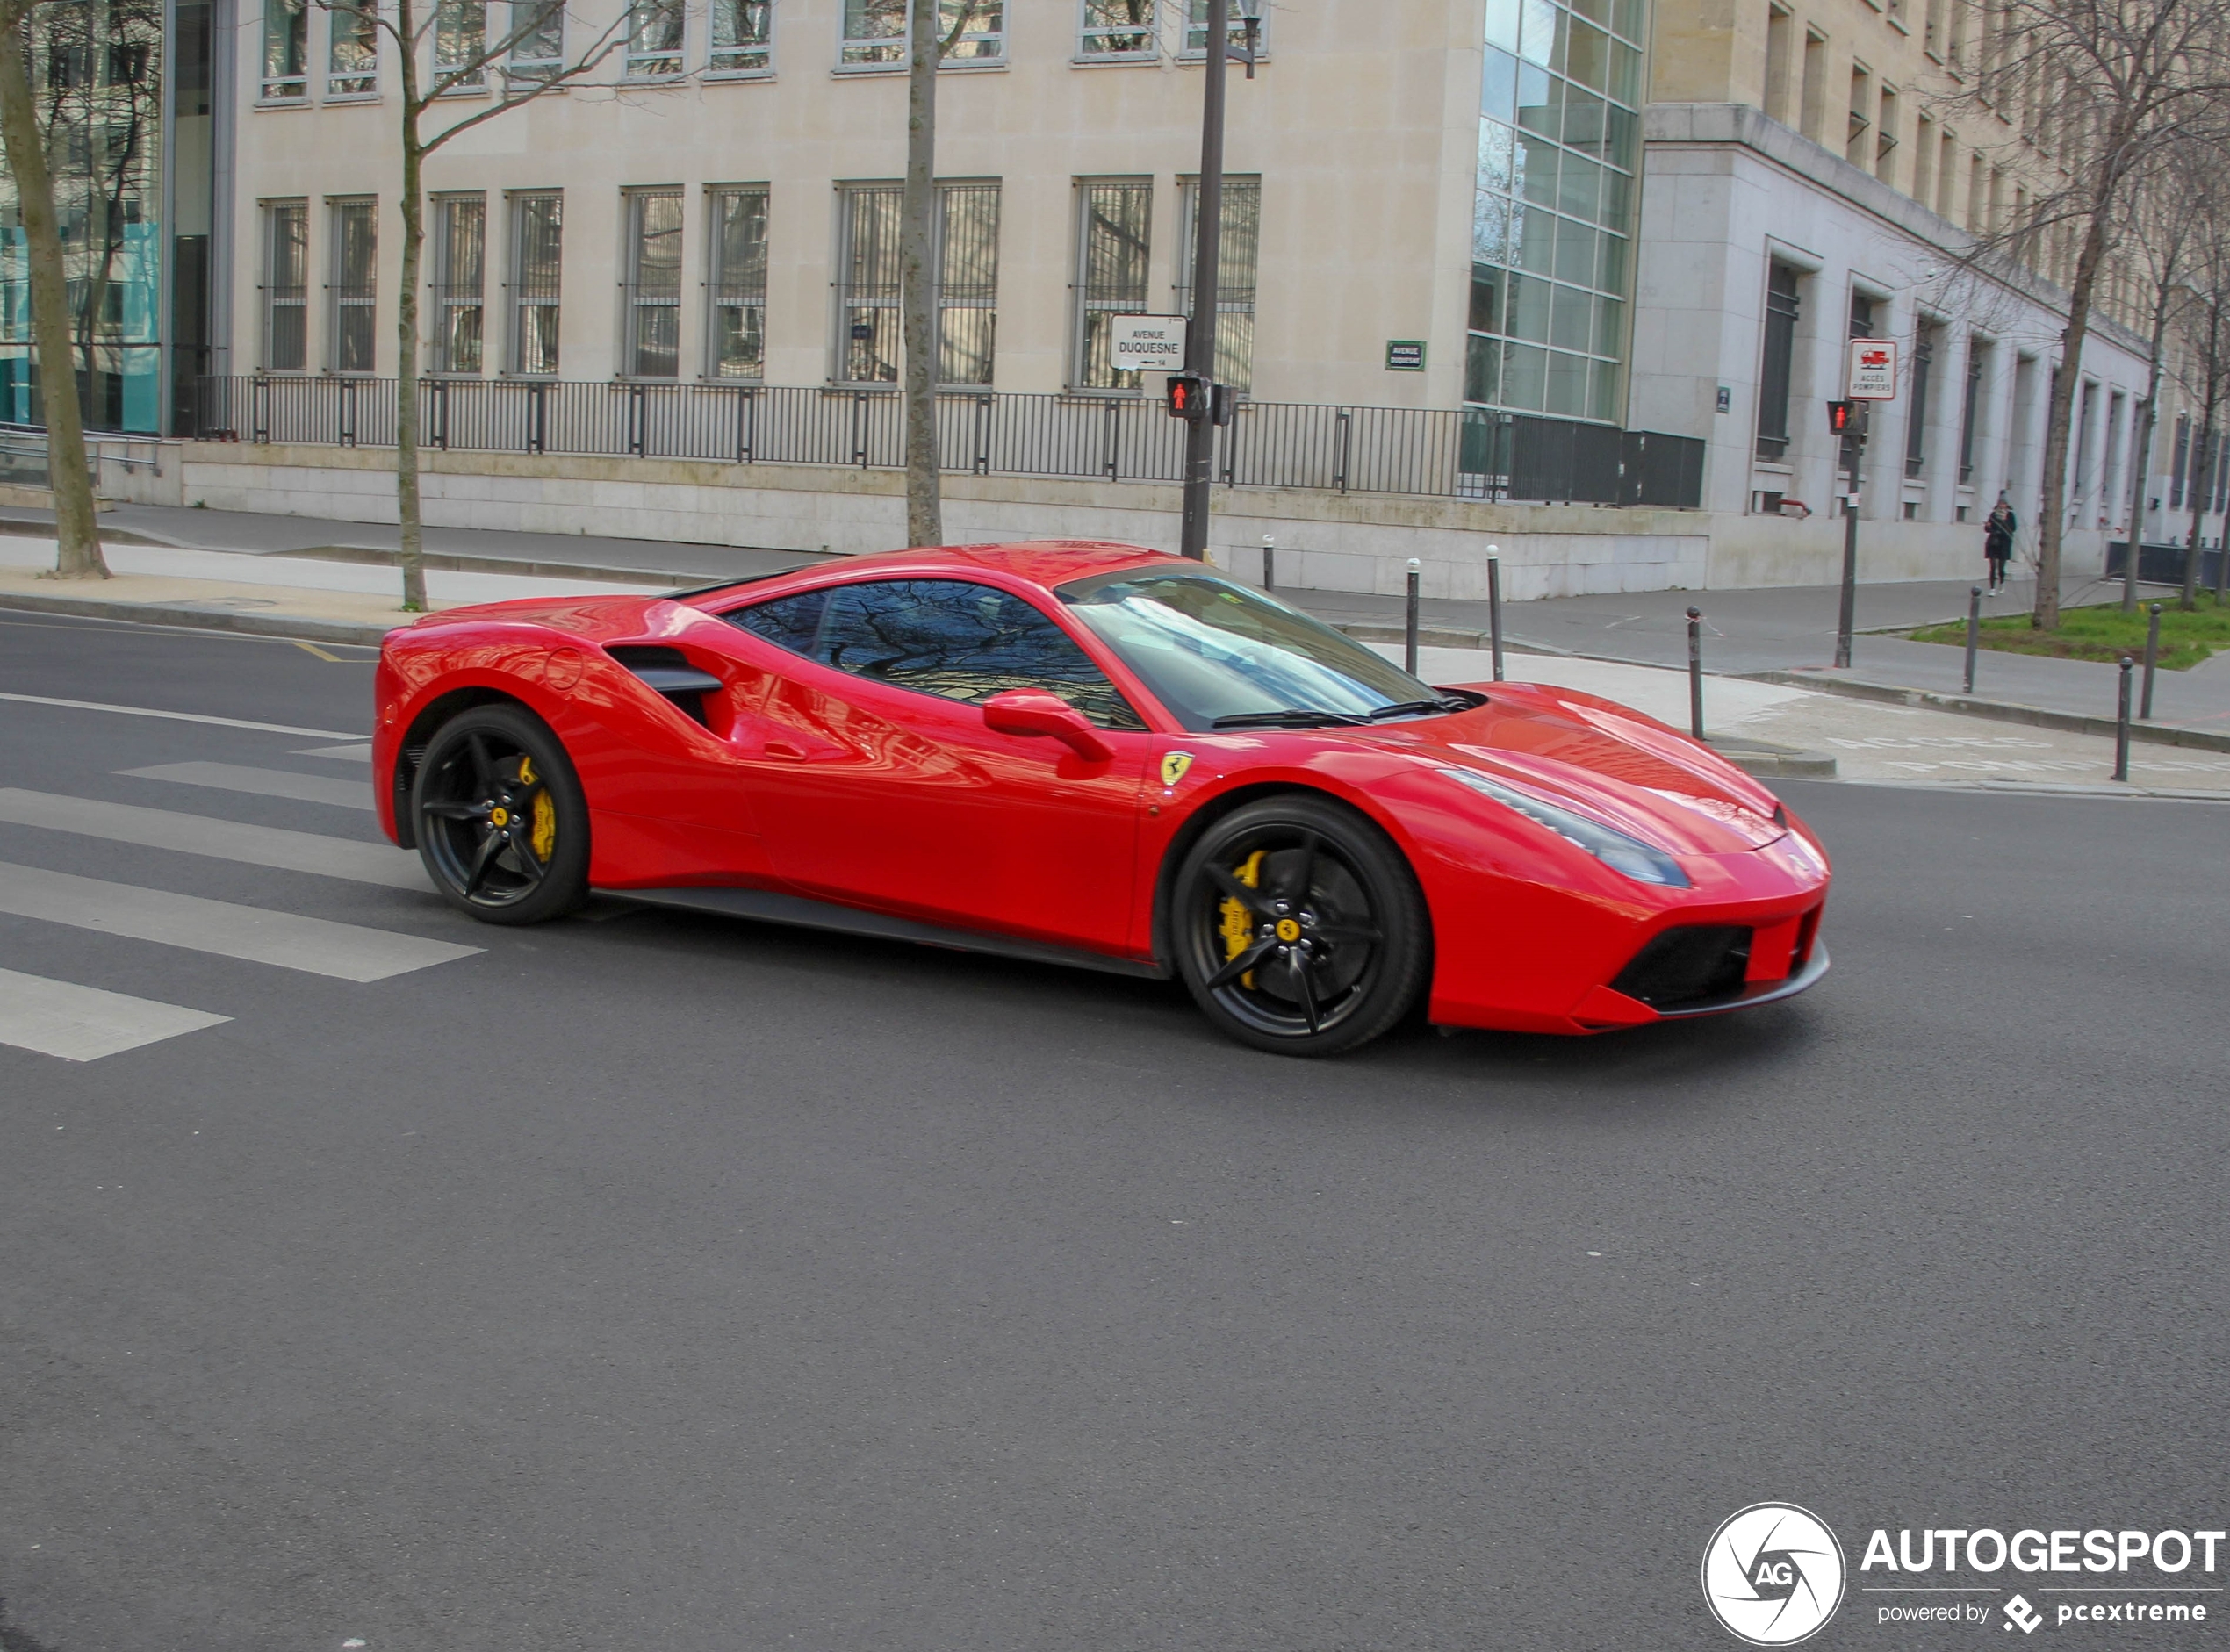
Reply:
x=1416, y=451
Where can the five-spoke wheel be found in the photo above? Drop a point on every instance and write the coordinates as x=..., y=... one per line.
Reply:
x=1298, y=927
x=502, y=825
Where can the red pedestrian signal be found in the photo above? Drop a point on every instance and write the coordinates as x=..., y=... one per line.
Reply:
x=1841, y=417
x=1188, y=397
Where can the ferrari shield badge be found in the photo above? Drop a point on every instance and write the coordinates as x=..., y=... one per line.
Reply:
x=1174, y=766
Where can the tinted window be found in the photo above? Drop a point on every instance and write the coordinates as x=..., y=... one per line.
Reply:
x=947, y=637
x=792, y=622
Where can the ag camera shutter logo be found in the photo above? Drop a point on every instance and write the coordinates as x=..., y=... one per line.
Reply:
x=1772, y=1574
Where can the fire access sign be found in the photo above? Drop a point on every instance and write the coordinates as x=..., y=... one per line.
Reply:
x=1872, y=373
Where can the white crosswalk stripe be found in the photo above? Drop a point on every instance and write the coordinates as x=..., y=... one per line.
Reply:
x=84, y=1023
x=234, y=777
x=219, y=839
x=319, y=947
x=344, y=754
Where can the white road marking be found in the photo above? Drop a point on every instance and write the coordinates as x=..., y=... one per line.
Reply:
x=318, y=946
x=84, y=1023
x=345, y=754
x=219, y=839
x=234, y=777
x=180, y=716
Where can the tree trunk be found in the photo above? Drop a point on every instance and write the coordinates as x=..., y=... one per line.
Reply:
x=407, y=499
x=924, y=511
x=2052, y=515
x=2141, y=455
x=79, y=546
x=2201, y=488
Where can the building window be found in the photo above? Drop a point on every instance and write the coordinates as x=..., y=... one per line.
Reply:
x=735, y=339
x=1856, y=149
x=2181, y=463
x=460, y=45
x=539, y=48
x=1781, y=312
x=286, y=286
x=287, y=49
x=351, y=333
x=742, y=37
x=1885, y=138
x=1114, y=235
x=1923, y=363
x=538, y=238
x=1117, y=29
x=652, y=347
x=968, y=282
x=653, y=39
x=1812, y=110
x=460, y=279
x=352, y=50
x=875, y=32
x=1195, y=29
x=1974, y=363
x=1236, y=274
x=868, y=216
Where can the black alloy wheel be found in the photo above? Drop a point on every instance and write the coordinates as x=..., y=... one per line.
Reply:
x=503, y=826
x=1298, y=927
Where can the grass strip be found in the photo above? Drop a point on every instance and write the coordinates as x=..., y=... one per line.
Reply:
x=2101, y=633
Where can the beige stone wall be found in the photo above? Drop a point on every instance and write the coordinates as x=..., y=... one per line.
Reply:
x=1362, y=124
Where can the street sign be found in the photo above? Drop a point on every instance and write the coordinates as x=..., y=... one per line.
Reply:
x=1872, y=373
x=1405, y=355
x=1147, y=343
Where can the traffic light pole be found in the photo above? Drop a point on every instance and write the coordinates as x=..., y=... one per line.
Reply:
x=1850, y=613
x=1207, y=261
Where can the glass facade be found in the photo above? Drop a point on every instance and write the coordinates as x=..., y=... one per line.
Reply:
x=96, y=66
x=1553, y=215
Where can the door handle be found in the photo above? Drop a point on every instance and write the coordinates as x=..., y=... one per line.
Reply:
x=783, y=752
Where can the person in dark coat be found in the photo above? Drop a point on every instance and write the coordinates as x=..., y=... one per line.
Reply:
x=1997, y=542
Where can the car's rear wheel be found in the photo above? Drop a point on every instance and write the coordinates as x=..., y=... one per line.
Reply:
x=502, y=825
x=1298, y=927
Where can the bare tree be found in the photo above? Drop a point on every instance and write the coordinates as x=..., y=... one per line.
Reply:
x=2156, y=242
x=931, y=41
x=452, y=36
x=2106, y=84
x=78, y=546
x=2206, y=354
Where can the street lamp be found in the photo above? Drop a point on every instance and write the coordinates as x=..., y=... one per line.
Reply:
x=1208, y=263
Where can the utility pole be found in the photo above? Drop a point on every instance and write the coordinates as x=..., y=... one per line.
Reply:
x=1848, y=618
x=1207, y=261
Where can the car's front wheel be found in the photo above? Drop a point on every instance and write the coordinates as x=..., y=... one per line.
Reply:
x=502, y=825
x=1298, y=927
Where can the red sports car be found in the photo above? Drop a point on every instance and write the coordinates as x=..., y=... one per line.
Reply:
x=1096, y=755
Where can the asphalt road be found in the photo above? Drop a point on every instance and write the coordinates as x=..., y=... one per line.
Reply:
x=658, y=1283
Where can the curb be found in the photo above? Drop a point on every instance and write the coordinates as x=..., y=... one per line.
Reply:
x=348, y=632
x=1776, y=763
x=1997, y=710
x=1367, y=631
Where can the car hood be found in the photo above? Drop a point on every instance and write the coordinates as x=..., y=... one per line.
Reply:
x=1626, y=769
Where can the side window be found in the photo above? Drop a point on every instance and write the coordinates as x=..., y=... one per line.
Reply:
x=792, y=622
x=960, y=641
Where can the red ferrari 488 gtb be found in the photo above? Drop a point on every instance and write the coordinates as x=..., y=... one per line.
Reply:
x=1101, y=756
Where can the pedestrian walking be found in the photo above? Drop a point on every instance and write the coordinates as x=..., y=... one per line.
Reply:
x=1997, y=540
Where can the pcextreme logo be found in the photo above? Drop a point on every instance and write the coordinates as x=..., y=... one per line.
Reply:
x=1772, y=1574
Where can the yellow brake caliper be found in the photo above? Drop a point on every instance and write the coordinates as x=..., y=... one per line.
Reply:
x=545, y=832
x=1238, y=922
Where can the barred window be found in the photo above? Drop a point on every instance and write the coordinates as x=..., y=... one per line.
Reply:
x=1117, y=29
x=654, y=38
x=968, y=282
x=537, y=234
x=1782, y=309
x=742, y=37
x=286, y=286
x=653, y=347
x=1235, y=271
x=868, y=219
x=1195, y=29
x=457, y=312
x=352, y=49
x=351, y=328
x=735, y=338
x=537, y=40
x=1975, y=364
x=287, y=49
x=1114, y=218
x=876, y=32
x=460, y=43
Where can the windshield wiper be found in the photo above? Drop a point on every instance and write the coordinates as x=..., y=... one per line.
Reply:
x=1292, y=718
x=1425, y=707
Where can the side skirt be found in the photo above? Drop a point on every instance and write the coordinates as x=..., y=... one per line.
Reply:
x=767, y=906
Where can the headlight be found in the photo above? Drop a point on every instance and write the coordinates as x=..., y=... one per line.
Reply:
x=1614, y=849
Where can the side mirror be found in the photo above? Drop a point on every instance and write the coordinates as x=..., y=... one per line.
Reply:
x=1034, y=711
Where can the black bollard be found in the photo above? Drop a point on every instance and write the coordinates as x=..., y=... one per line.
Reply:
x=1695, y=672
x=1973, y=630
x=1494, y=606
x=1269, y=561
x=2121, y=723
x=1409, y=629
x=2152, y=663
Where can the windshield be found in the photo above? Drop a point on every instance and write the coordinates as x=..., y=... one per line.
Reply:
x=1218, y=654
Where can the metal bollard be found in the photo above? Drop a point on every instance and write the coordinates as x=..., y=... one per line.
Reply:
x=2152, y=663
x=1409, y=629
x=2121, y=723
x=1973, y=630
x=1269, y=561
x=1695, y=672
x=1494, y=605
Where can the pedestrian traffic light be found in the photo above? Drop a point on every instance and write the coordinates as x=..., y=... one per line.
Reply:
x=1188, y=397
x=1839, y=417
